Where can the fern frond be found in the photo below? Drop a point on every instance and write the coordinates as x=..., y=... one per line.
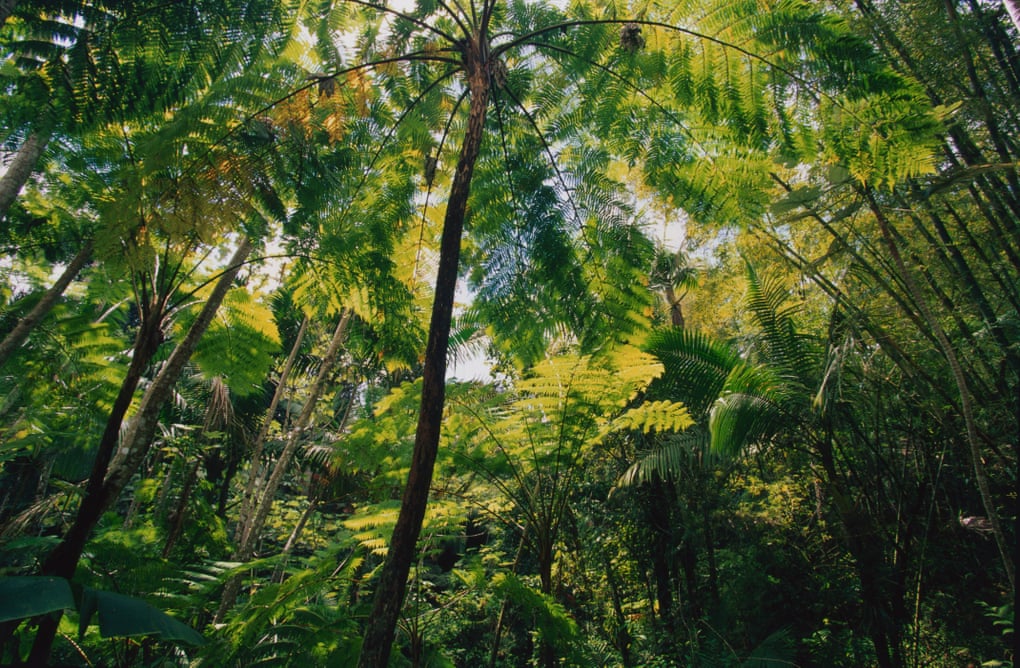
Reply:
x=655, y=416
x=668, y=459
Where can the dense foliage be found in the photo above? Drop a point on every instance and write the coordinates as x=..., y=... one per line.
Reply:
x=729, y=293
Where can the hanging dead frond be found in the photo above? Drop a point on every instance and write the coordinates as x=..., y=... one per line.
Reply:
x=325, y=84
x=219, y=412
x=499, y=73
x=431, y=162
x=631, y=39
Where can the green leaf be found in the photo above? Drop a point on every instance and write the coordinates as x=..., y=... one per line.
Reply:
x=119, y=616
x=28, y=596
x=125, y=616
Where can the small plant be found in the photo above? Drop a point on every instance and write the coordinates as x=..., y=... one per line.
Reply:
x=1002, y=617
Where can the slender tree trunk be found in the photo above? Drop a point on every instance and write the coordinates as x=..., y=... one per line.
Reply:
x=966, y=406
x=250, y=532
x=294, y=438
x=545, y=556
x=177, y=519
x=135, y=443
x=292, y=539
x=255, y=473
x=392, y=583
x=658, y=503
x=25, y=159
x=676, y=313
x=17, y=336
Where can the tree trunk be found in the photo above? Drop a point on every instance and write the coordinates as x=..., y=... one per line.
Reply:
x=966, y=406
x=25, y=159
x=177, y=519
x=250, y=532
x=392, y=583
x=657, y=504
x=17, y=336
x=676, y=313
x=63, y=560
x=255, y=473
x=292, y=539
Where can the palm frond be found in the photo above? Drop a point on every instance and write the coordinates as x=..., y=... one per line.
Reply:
x=668, y=459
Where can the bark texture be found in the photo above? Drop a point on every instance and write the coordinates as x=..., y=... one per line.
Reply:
x=392, y=583
x=23, y=164
x=19, y=334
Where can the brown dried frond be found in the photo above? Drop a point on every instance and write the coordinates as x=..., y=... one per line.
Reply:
x=431, y=161
x=631, y=39
x=219, y=412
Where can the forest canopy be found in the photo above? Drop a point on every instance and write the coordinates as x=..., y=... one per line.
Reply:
x=738, y=283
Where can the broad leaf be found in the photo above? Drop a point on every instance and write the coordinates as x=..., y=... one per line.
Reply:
x=28, y=596
x=125, y=616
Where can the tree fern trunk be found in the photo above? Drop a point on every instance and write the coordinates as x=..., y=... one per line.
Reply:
x=392, y=581
x=17, y=336
x=63, y=560
x=25, y=159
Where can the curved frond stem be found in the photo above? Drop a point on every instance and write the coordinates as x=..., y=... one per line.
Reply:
x=814, y=91
x=534, y=456
x=406, y=17
x=518, y=475
x=172, y=304
x=170, y=279
x=457, y=18
x=384, y=142
x=415, y=56
x=519, y=499
x=526, y=38
x=211, y=279
x=549, y=153
x=487, y=7
x=561, y=436
x=632, y=87
x=506, y=153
